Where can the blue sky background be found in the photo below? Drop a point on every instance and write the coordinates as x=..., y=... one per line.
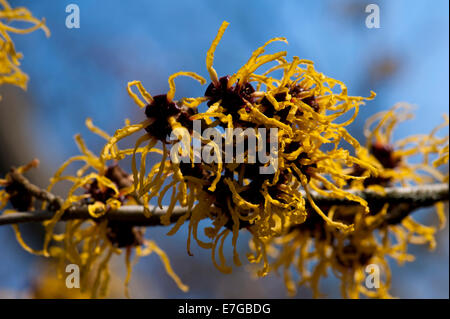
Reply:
x=79, y=73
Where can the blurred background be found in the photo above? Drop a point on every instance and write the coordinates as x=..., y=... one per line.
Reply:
x=79, y=73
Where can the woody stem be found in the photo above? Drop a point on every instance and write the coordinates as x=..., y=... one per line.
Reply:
x=402, y=201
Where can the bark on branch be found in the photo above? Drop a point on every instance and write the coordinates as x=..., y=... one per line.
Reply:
x=403, y=201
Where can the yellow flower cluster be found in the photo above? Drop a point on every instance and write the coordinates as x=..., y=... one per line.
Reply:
x=10, y=73
x=304, y=105
x=311, y=249
x=90, y=244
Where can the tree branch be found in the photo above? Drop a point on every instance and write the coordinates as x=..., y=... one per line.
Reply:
x=403, y=201
x=40, y=193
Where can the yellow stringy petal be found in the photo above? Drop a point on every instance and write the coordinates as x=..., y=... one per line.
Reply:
x=210, y=53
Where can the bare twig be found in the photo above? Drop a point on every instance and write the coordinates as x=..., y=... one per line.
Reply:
x=403, y=200
x=132, y=214
x=42, y=194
